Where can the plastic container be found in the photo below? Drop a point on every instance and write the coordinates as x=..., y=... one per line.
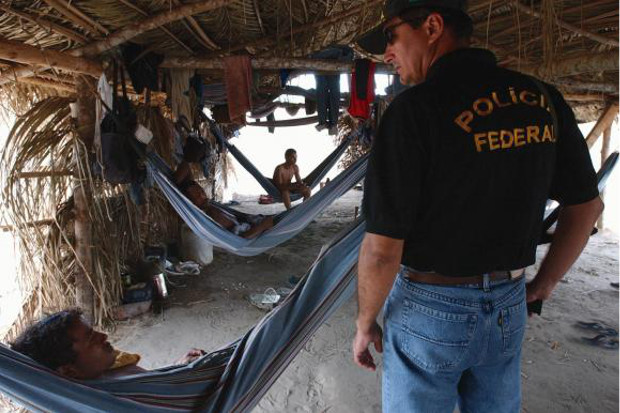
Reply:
x=193, y=248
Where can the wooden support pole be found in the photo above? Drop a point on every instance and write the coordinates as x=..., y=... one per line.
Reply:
x=603, y=123
x=197, y=31
x=26, y=54
x=81, y=195
x=600, y=224
x=133, y=30
x=271, y=63
x=610, y=88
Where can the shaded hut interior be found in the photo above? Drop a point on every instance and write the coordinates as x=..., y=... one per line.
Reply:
x=52, y=53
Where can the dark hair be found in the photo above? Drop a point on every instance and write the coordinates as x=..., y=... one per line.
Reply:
x=290, y=151
x=457, y=21
x=47, y=341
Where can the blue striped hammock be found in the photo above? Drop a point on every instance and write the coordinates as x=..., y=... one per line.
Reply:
x=287, y=224
x=231, y=379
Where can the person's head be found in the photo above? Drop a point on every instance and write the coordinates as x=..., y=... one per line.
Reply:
x=195, y=149
x=290, y=156
x=415, y=33
x=66, y=343
x=197, y=195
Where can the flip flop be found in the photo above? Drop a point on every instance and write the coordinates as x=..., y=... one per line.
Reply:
x=603, y=341
x=601, y=328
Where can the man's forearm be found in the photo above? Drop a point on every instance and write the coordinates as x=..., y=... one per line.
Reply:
x=572, y=231
x=378, y=264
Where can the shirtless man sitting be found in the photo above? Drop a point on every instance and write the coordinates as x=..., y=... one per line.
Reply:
x=283, y=175
x=67, y=344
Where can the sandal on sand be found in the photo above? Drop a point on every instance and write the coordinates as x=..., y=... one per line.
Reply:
x=602, y=341
x=601, y=328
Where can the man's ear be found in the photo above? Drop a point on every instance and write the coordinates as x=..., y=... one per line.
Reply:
x=68, y=370
x=434, y=27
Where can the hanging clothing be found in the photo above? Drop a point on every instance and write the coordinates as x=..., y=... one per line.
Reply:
x=363, y=90
x=238, y=79
x=182, y=96
x=328, y=99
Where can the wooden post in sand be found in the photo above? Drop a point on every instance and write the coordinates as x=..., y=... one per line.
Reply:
x=604, y=154
x=81, y=195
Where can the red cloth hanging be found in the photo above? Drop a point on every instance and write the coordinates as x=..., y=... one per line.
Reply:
x=360, y=107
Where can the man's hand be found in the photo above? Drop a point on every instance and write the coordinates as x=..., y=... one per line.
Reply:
x=191, y=355
x=361, y=342
x=538, y=291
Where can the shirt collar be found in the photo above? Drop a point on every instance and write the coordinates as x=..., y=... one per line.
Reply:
x=461, y=60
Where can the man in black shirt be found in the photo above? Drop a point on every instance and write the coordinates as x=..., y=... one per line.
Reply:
x=459, y=174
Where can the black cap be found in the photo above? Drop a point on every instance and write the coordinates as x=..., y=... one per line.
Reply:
x=374, y=41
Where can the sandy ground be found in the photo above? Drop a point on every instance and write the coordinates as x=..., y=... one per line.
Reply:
x=561, y=373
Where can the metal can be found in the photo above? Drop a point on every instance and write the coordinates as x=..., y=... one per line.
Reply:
x=160, y=285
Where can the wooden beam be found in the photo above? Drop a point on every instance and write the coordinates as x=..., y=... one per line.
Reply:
x=133, y=30
x=23, y=53
x=46, y=24
x=592, y=36
x=583, y=63
x=76, y=16
x=288, y=122
x=271, y=63
x=603, y=123
x=610, y=88
x=584, y=97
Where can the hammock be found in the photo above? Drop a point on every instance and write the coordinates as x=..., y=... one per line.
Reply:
x=232, y=379
x=312, y=180
x=287, y=224
x=601, y=176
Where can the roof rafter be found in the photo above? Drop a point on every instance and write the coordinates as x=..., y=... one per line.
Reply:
x=195, y=29
x=162, y=28
x=46, y=24
x=76, y=16
x=592, y=36
x=133, y=30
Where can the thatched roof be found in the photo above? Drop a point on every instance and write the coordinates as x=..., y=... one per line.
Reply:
x=572, y=43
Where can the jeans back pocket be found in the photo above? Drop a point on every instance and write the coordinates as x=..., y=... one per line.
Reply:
x=513, y=321
x=435, y=339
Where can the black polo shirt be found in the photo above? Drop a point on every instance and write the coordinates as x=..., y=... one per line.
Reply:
x=463, y=164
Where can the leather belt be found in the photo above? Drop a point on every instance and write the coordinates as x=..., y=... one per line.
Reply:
x=436, y=278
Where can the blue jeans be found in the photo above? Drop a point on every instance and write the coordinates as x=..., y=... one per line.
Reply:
x=445, y=345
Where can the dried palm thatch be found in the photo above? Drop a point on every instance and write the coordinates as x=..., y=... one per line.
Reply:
x=39, y=206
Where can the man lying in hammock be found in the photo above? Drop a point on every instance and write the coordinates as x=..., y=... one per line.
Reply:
x=283, y=175
x=184, y=180
x=67, y=344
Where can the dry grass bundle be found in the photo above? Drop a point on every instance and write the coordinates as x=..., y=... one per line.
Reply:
x=357, y=149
